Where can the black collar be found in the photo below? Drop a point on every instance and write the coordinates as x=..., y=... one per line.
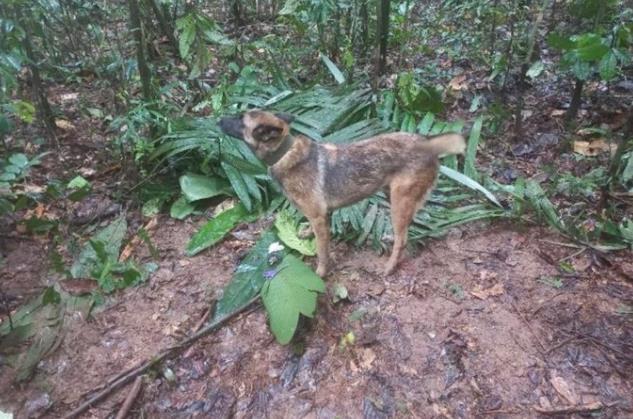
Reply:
x=272, y=158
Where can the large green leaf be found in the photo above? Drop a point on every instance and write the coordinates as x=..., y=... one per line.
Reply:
x=238, y=185
x=292, y=291
x=111, y=238
x=468, y=182
x=215, y=230
x=248, y=278
x=334, y=70
x=287, y=232
x=195, y=187
x=471, y=150
x=181, y=208
x=608, y=66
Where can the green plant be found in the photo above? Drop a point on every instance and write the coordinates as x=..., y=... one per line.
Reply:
x=13, y=170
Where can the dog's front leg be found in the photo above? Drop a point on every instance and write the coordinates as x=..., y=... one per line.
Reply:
x=321, y=228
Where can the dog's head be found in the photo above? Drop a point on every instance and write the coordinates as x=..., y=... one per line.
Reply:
x=264, y=132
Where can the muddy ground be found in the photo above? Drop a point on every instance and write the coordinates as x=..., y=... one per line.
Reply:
x=469, y=326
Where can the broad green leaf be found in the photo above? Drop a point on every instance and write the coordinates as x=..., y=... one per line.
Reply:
x=535, y=70
x=590, y=47
x=287, y=232
x=560, y=42
x=19, y=160
x=181, y=208
x=152, y=207
x=471, y=150
x=111, y=236
x=334, y=70
x=218, y=227
x=5, y=125
x=42, y=343
x=608, y=66
x=291, y=292
x=187, y=37
x=24, y=110
x=78, y=182
x=627, y=174
x=238, y=185
x=468, y=182
x=249, y=276
x=196, y=187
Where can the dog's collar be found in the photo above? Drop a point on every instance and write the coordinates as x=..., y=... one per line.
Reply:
x=272, y=158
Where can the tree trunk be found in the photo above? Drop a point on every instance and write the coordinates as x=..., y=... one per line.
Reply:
x=518, y=119
x=236, y=9
x=382, y=35
x=576, y=100
x=165, y=27
x=364, y=16
x=139, y=39
x=45, y=111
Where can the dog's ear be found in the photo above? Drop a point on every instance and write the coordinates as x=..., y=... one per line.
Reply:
x=265, y=133
x=286, y=117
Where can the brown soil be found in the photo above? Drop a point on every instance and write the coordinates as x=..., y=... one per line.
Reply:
x=425, y=344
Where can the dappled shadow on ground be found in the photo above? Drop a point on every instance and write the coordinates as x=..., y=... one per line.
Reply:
x=479, y=323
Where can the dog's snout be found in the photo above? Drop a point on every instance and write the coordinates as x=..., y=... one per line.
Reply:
x=232, y=126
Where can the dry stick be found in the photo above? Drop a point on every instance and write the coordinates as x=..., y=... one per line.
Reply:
x=529, y=326
x=128, y=375
x=129, y=400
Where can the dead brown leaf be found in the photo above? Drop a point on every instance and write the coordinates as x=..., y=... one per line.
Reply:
x=129, y=248
x=79, y=286
x=64, y=124
x=562, y=388
x=493, y=291
x=595, y=147
x=458, y=83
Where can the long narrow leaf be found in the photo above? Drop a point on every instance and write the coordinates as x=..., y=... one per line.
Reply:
x=471, y=150
x=468, y=182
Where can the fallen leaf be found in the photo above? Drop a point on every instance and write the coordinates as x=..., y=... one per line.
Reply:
x=79, y=286
x=66, y=97
x=368, y=357
x=558, y=112
x=562, y=388
x=64, y=124
x=495, y=290
x=458, y=83
x=594, y=148
x=136, y=240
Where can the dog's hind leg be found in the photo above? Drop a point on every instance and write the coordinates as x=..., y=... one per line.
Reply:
x=408, y=192
x=321, y=228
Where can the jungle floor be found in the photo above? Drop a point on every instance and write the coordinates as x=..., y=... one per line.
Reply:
x=480, y=323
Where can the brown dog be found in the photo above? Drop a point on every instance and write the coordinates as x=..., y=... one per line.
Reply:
x=320, y=177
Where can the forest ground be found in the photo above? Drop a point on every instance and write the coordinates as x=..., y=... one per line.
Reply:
x=479, y=323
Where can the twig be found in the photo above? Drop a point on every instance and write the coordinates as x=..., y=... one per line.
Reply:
x=538, y=339
x=573, y=255
x=558, y=345
x=128, y=375
x=129, y=400
x=572, y=245
x=203, y=319
x=582, y=408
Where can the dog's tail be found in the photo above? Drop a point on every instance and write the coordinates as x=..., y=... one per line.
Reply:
x=451, y=143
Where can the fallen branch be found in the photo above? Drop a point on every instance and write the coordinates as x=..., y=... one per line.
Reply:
x=583, y=408
x=126, y=376
x=129, y=400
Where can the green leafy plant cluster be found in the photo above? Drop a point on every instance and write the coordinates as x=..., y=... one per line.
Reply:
x=13, y=170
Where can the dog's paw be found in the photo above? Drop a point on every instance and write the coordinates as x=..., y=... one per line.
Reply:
x=321, y=271
x=305, y=233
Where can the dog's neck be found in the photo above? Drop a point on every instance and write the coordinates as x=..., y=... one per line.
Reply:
x=275, y=156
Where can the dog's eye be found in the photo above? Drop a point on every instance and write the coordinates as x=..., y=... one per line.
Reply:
x=266, y=133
